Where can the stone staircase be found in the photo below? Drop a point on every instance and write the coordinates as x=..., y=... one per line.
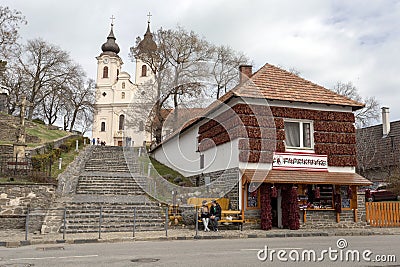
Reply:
x=105, y=185
x=108, y=184
x=115, y=216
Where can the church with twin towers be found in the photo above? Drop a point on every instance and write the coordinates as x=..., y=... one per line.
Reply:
x=118, y=98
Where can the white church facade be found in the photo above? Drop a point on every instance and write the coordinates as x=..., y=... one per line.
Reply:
x=117, y=96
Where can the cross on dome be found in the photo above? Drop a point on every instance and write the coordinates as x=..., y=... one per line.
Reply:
x=112, y=20
x=149, y=15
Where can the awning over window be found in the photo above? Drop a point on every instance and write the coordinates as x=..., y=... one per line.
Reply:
x=303, y=177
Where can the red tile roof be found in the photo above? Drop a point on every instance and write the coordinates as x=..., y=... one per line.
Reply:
x=273, y=83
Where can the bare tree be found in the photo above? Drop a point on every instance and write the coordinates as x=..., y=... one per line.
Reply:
x=79, y=100
x=224, y=72
x=10, y=21
x=14, y=83
x=365, y=116
x=177, y=60
x=44, y=66
x=52, y=104
x=174, y=61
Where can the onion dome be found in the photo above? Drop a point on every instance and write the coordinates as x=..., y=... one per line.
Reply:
x=147, y=44
x=110, y=47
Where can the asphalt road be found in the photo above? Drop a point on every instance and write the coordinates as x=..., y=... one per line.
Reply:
x=222, y=252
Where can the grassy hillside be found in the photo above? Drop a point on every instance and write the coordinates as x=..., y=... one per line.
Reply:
x=36, y=134
x=45, y=134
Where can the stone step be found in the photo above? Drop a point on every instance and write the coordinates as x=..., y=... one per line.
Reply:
x=129, y=228
x=108, y=193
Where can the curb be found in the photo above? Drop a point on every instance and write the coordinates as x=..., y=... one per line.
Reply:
x=14, y=244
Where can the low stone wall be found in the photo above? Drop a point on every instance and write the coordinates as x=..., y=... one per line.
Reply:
x=230, y=174
x=15, y=199
x=253, y=219
x=327, y=218
x=55, y=144
x=6, y=150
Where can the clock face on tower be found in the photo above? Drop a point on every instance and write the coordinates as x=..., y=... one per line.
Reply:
x=105, y=61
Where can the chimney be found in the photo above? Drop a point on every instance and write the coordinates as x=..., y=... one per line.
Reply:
x=245, y=72
x=385, y=121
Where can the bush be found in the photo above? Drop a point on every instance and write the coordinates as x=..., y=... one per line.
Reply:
x=40, y=162
x=39, y=121
x=64, y=148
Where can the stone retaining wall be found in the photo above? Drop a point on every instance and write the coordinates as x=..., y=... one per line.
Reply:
x=55, y=144
x=6, y=150
x=15, y=200
x=230, y=174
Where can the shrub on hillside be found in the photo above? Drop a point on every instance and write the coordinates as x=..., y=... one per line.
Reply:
x=39, y=121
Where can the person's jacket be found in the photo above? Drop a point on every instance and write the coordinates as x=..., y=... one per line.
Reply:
x=215, y=210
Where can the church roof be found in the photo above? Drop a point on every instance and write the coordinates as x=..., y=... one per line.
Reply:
x=147, y=44
x=110, y=47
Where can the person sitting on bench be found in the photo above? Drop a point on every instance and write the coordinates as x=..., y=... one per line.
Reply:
x=205, y=215
x=215, y=215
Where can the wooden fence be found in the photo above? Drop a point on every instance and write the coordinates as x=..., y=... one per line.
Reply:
x=383, y=214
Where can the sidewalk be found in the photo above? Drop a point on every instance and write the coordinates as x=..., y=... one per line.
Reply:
x=13, y=238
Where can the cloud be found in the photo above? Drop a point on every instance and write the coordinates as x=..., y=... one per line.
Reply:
x=327, y=41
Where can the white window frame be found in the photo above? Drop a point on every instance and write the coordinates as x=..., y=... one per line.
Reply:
x=292, y=148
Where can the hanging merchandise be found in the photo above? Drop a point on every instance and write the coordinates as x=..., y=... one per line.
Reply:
x=266, y=209
x=317, y=192
x=349, y=192
x=338, y=203
x=294, y=217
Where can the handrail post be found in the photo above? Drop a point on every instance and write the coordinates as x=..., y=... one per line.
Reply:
x=100, y=220
x=27, y=224
x=197, y=221
x=134, y=221
x=65, y=222
x=166, y=221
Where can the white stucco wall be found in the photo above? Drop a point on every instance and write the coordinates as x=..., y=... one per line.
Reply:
x=180, y=153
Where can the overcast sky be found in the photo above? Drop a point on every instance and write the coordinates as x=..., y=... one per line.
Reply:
x=327, y=41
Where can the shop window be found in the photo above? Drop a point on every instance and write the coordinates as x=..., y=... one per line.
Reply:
x=105, y=72
x=103, y=126
x=298, y=134
x=121, y=122
x=253, y=197
x=320, y=196
x=144, y=70
x=123, y=95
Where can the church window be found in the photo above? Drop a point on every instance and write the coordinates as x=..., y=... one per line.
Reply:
x=141, y=126
x=117, y=73
x=123, y=85
x=121, y=122
x=104, y=94
x=123, y=95
x=144, y=70
x=105, y=72
x=103, y=126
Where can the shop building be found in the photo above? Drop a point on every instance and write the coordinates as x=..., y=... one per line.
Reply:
x=290, y=145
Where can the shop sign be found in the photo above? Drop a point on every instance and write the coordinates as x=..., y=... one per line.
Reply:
x=300, y=161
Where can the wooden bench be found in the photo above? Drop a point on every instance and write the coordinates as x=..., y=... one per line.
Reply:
x=236, y=215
